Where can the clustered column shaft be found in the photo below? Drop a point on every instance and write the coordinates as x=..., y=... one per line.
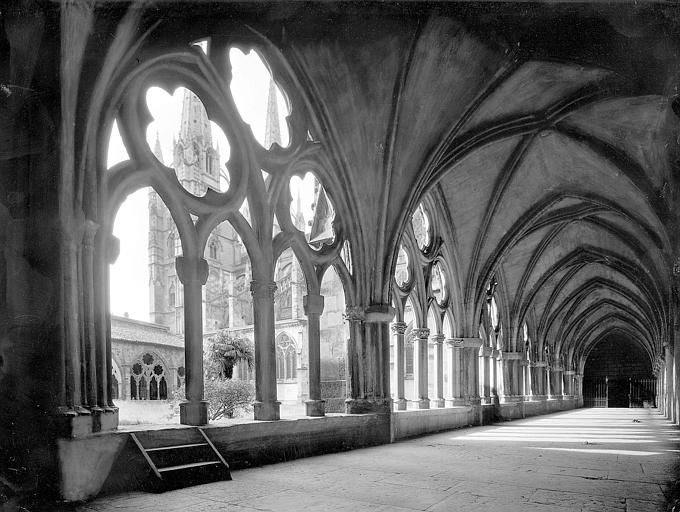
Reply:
x=313, y=305
x=193, y=273
x=437, y=341
x=399, y=328
x=420, y=370
x=266, y=406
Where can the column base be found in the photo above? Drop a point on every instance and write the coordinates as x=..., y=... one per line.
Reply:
x=315, y=407
x=475, y=414
x=422, y=404
x=109, y=419
x=437, y=402
x=455, y=402
x=97, y=413
x=267, y=411
x=193, y=413
x=555, y=397
x=401, y=404
x=365, y=406
x=71, y=424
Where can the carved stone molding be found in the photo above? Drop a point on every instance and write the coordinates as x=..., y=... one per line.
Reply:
x=399, y=328
x=421, y=333
x=263, y=289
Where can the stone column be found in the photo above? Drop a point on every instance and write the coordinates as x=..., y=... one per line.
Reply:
x=420, y=363
x=369, y=360
x=497, y=379
x=569, y=383
x=526, y=376
x=454, y=370
x=538, y=380
x=437, y=341
x=355, y=362
x=578, y=392
x=511, y=381
x=668, y=382
x=88, y=323
x=485, y=356
x=556, y=378
x=193, y=273
x=125, y=384
x=266, y=406
x=470, y=376
x=313, y=306
x=399, y=328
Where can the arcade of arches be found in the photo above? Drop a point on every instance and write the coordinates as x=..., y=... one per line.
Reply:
x=505, y=195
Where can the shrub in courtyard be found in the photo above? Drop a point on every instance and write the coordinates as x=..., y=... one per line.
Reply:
x=226, y=398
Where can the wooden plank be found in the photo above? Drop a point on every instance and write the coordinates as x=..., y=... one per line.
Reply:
x=213, y=447
x=146, y=456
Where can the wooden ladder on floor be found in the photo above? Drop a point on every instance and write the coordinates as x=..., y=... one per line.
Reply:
x=193, y=461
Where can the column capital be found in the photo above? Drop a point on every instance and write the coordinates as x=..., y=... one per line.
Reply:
x=264, y=289
x=354, y=314
x=569, y=372
x=191, y=269
x=467, y=342
x=313, y=304
x=437, y=339
x=454, y=342
x=399, y=328
x=421, y=333
x=377, y=313
x=539, y=364
x=556, y=368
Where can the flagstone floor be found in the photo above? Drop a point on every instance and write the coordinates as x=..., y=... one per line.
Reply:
x=584, y=460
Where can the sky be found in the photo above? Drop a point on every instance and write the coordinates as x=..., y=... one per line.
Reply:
x=249, y=86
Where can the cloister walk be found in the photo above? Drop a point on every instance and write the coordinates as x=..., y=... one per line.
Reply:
x=500, y=204
x=586, y=460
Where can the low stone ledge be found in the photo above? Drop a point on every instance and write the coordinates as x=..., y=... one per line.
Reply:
x=415, y=422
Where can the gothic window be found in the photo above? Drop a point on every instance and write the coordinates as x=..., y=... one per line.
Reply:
x=171, y=244
x=401, y=273
x=438, y=284
x=527, y=341
x=114, y=387
x=213, y=249
x=421, y=227
x=178, y=246
x=148, y=381
x=171, y=296
x=283, y=301
x=181, y=374
x=209, y=163
x=286, y=358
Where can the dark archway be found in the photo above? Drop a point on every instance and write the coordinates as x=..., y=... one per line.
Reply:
x=618, y=373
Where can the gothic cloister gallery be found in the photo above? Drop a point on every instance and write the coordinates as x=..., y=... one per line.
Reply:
x=506, y=175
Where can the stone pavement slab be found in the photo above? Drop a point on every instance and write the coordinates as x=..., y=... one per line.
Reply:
x=583, y=460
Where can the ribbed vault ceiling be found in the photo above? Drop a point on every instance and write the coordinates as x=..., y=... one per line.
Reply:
x=555, y=172
x=544, y=133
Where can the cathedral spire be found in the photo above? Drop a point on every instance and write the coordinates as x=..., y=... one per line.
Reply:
x=299, y=216
x=272, y=131
x=195, y=125
x=158, y=153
